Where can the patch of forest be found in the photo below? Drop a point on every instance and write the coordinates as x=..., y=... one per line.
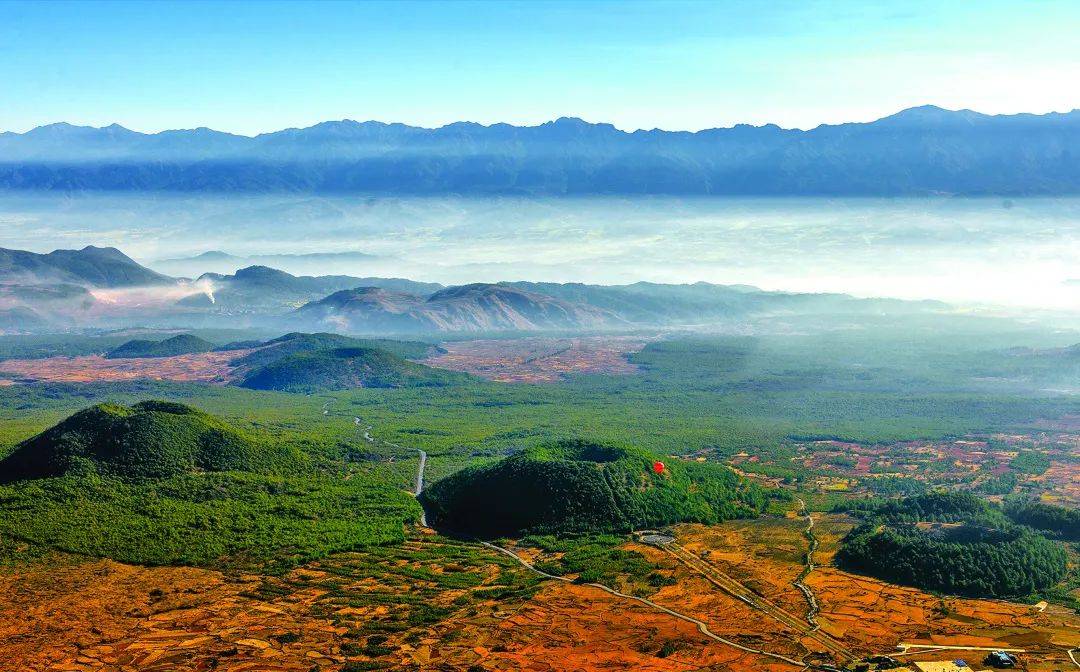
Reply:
x=952, y=543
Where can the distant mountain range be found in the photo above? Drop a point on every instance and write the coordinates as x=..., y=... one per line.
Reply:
x=103, y=287
x=476, y=307
x=222, y=262
x=919, y=151
x=94, y=266
x=261, y=288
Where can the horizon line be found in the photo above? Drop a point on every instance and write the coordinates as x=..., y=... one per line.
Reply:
x=565, y=118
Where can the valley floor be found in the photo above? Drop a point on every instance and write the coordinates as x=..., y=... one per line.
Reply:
x=435, y=603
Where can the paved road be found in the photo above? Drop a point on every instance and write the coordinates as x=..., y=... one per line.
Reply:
x=420, y=485
x=1072, y=657
x=420, y=473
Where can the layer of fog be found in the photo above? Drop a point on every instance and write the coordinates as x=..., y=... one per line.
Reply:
x=153, y=296
x=1019, y=252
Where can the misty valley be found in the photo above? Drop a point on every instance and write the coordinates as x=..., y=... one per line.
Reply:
x=854, y=472
x=518, y=336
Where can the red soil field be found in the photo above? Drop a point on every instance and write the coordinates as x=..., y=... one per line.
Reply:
x=539, y=359
x=207, y=367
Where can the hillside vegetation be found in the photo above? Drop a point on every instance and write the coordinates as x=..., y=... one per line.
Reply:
x=184, y=344
x=152, y=439
x=295, y=342
x=214, y=519
x=952, y=543
x=1047, y=518
x=345, y=369
x=159, y=482
x=578, y=486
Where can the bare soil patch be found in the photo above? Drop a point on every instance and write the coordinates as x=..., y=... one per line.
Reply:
x=539, y=359
x=207, y=367
x=433, y=604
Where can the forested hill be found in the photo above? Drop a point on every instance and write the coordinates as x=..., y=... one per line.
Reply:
x=955, y=542
x=919, y=151
x=576, y=486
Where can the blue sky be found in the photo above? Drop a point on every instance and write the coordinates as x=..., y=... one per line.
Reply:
x=254, y=67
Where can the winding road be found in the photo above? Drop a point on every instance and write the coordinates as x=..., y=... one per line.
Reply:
x=740, y=592
x=799, y=582
x=419, y=486
x=715, y=576
x=702, y=627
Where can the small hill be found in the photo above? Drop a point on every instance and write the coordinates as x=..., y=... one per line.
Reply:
x=344, y=369
x=20, y=318
x=577, y=486
x=951, y=543
x=184, y=344
x=152, y=439
x=297, y=342
x=1059, y=521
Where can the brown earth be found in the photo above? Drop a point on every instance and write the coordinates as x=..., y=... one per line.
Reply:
x=207, y=367
x=435, y=604
x=539, y=359
x=102, y=615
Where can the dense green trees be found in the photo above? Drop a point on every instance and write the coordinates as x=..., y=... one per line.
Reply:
x=296, y=342
x=579, y=486
x=152, y=439
x=210, y=519
x=345, y=369
x=953, y=543
x=938, y=506
x=183, y=344
x=1056, y=520
x=160, y=482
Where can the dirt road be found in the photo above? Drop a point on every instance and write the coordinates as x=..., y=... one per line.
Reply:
x=740, y=592
x=702, y=627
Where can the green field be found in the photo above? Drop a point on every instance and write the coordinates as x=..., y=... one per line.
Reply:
x=703, y=397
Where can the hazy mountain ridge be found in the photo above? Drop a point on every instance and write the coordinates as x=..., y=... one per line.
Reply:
x=476, y=307
x=94, y=266
x=101, y=294
x=924, y=150
x=262, y=287
x=315, y=263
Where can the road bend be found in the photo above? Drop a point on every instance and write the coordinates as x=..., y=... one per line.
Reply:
x=418, y=486
x=808, y=566
x=702, y=627
x=740, y=592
